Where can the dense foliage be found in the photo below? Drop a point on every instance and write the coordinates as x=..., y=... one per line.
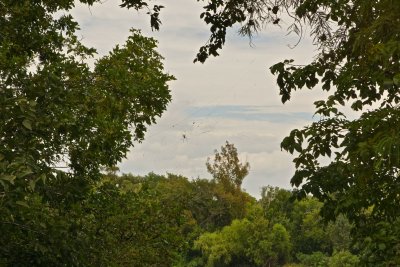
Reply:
x=357, y=60
x=274, y=231
x=61, y=123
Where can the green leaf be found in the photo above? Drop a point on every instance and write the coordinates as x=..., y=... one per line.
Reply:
x=9, y=178
x=32, y=185
x=396, y=79
x=5, y=186
x=24, y=173
x=22, y=203
x=27, y=124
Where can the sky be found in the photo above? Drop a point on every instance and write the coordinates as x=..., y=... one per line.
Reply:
x=231, y=98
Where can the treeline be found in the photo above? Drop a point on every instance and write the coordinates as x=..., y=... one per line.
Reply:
x=155, y=220
x=207, y=225
x=170, y=221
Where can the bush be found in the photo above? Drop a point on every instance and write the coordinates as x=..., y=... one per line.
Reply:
x=343, y=259
x=316, y=259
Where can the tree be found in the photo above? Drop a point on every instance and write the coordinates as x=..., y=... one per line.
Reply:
x=135, y=223
x=277, y=204
x=213, y=207
x=339, y=233
x=247, y=242
x=316, y=259
x=308, y=231
x=228, y=174
x=226, y=168
x=357, y=61
x=343, y=258
x=62, y=122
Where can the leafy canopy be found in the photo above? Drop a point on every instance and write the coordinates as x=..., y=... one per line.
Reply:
x=227, y=168
x=61, y=123
x=55, y=108
x=358, y=62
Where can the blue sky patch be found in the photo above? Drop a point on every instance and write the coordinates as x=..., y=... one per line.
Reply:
x=248, y=113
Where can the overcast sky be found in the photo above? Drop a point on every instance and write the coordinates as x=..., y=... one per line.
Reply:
x=229, y=98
